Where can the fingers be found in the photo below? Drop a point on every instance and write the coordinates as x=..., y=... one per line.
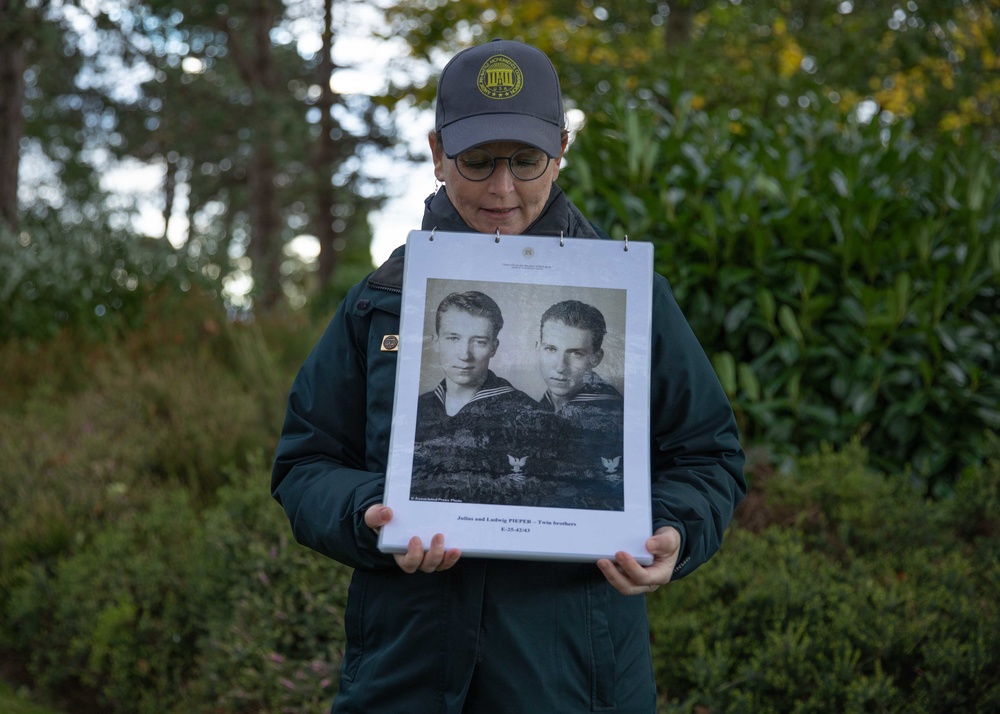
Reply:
x=377, y=516
x=630, y=568
x=434, y=555
x=451, y=557
x=436, y=558
x=411, y=559
x=614, y=576
x=414, y=559
x=665, y=542
x=628, y=577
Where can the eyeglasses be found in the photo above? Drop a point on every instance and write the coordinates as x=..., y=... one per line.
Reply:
x=524, y=164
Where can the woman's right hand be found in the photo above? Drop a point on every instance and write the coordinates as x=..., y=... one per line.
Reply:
x=415, y=558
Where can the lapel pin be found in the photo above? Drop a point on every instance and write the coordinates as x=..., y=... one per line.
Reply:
x=390, y=343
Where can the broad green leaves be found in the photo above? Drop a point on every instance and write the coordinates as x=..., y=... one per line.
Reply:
x=843, y=278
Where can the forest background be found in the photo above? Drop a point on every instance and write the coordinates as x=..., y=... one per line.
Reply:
x=820, y=179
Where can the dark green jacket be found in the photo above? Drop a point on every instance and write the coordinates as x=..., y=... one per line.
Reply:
x=491, y=635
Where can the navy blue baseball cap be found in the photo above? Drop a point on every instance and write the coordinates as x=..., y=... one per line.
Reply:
x=499, y=91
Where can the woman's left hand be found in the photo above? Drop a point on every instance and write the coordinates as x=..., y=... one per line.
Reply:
x=630, y=578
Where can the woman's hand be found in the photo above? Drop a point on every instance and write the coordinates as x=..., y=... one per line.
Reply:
x=630, y=578
x=435, y=558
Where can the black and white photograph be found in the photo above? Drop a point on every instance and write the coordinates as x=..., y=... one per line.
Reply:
x=521, y=396
x=521, y=401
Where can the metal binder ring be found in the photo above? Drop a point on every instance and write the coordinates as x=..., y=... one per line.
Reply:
x=626, y=242
x=561, y=244
x=433, y=231
x=498, y=236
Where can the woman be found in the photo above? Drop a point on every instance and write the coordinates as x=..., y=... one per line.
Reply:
x=429, y=631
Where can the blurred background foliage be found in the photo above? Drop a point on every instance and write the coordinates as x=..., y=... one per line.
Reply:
x=223, y=102
x=820, y=179
x=933, y=62
x=843, y=276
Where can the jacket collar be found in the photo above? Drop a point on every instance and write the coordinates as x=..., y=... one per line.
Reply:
x=558, y=217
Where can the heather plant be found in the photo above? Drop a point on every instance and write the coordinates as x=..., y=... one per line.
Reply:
x=21, y=701
x=71, y=463
x=87, y=427
x=122, y=615
x=168, y=325
x=972, y=511
x=93, y=432
x=175, y=609
x=278, y=644
x=842, y=276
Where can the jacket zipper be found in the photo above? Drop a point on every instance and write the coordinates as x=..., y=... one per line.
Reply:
x=387, y=288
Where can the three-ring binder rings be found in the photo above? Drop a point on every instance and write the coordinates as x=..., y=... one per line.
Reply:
x=521, y=415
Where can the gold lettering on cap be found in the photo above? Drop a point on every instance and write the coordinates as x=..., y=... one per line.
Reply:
x=500, y=78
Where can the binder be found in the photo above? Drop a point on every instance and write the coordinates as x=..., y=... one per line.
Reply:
x=528, y=442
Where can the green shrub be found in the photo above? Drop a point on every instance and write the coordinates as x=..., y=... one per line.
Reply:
x=122, y=616
x=278, y=645
x=171, y=326
x=772, y=628
x=827, y=609
x=837, y=504
x=842, y=276
x=18, y=702
x=71, y=461
x=837, y=590
x=93, y=277
x=179, y=610
x=974, y=509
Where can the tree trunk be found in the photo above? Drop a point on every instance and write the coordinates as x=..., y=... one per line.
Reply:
x=13, y=56
x=265, y=226
x=169, y=193
x=254, y=58
x=324, y=157
x=678, y=25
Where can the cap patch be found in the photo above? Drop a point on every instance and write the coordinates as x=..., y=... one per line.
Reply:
x=500, y=78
